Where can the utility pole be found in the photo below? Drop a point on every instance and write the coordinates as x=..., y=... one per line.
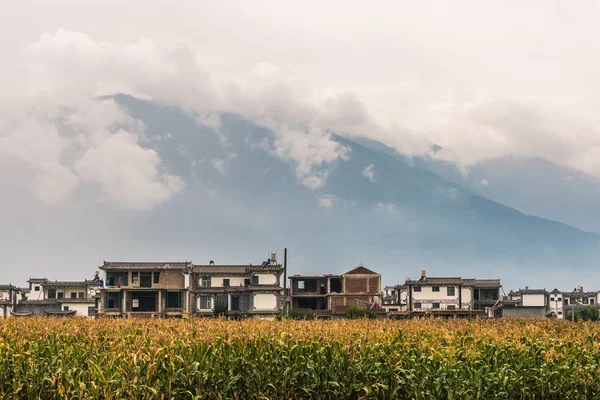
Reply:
x=285, y=297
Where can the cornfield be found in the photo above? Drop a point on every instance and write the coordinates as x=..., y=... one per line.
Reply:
x=254, y=359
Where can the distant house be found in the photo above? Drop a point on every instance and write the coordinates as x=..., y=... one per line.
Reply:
x=525, y=303
x=8, y=300
x=145, y=289
x=450, y=297
x=238, y=289
x=45, y=297
x=329, y=296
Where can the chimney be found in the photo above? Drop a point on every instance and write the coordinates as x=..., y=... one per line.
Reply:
x=407, y=278
x=423, y=273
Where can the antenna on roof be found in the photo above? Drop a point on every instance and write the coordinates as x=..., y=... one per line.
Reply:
x=211, y=262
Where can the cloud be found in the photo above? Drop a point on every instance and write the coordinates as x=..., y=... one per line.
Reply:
x=219, y=165
x=387, y=208
x=326, y=201
x=369, y=172
x=483, y=182
x=311, y=150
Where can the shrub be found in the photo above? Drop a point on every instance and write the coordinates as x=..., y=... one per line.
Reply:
x=355, y=312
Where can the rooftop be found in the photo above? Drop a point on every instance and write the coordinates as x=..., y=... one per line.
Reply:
x=137, y=265
x=8, y=287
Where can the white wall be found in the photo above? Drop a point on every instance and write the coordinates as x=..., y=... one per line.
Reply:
x=427, y=293
x=33, y=295
x=217, y=281
x=5, y=295
x=467, y=297
x=265, y=301
x=533, y=300
x=81, y=308
x=266, y=279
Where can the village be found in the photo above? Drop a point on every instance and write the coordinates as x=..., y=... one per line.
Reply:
x=184, y=289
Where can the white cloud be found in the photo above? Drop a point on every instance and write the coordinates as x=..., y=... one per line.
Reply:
x=220, y=165
x=326, y=201
x=369, y=172
x=483, y=182
x=129, y=175
x=387, y=208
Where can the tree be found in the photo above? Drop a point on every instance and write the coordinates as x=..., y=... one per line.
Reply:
x=589, y=313
x=220, y=309
x=355, y=312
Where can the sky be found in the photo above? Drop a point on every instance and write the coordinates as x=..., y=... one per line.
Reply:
x=481, y=80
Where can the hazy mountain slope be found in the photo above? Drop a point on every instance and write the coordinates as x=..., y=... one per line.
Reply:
x=397, y=218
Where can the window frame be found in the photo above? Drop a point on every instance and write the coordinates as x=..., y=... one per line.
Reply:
x=451, y=288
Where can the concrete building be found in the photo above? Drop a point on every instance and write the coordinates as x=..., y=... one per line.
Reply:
x=145, y=289
x=240, y=289
x=45, y=297
x=525, y=303
x=8, y=300
x=329, y=296
x=450, y=297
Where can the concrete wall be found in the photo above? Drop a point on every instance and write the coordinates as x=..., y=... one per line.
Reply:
x=265, y=301
x=524, y=312
x=267, y=279
x=81, y=308
x=467, y=297
x=217, y=281
x=534, y=300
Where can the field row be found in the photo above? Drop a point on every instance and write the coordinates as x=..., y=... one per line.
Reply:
x=73, y=358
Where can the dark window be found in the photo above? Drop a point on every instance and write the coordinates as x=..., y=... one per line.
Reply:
x=436, y=305
x=61, y=295
x=205, y=302
x=451, y=291
x=206, y=281
x=226, y=282
x=73, y=295
x=157, y=277
x=81, y=295
x=585, y=300
x=246, y=282
x=435, y=288
x=255, y=280
x=451, y=307
x=36, y=288
x=145, y=279
x=417, y=306
x=417, y=289
x=51, y=293
x=135, y=277
x=173, y=300
x=66, y=308
x=551, y=298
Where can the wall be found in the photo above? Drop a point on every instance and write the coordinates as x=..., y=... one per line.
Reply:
x=217, y=281
x=81, y=308
x=467, y=297
x=534, y=300
x=267, y=279
x=524, y=312
x=265, y=301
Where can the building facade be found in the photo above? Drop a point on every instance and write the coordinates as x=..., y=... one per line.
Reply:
x=237, y=289
x=8, y=300
x=329, y=296
x=145, y=289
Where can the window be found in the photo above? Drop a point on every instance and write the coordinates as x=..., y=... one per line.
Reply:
x=135, y=303
x=135, y=277
x=417, y=289
x=560, y=313
x=436, y=305
x=585, y=300
x=558, y=299
x=51, y=293
x=551, y=298
x=157, y=277
x=566, y=302
x=255, y=280
x=73, y=295
x=66, y=308
x=81, y=295
x=591, y=301
x=226, y=282
x=300, y=285
x=36, y=288
x=205, y=302
x=451, y=307
x=450, y=291
x=145, y=279
x=246, y=282
x=435, y=288
x=61, y=295
x=417, y=306
x=206, y=281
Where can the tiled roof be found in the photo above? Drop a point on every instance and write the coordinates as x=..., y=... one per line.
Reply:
x=70, y=283
x=360, y=270
x=532, y=291
x=144, y=265
x=487, y=283
x=436, y=281
x=218, y=269
x=8, y=287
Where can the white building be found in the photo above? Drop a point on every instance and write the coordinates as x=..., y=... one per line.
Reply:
x=8, y=300
x=240, y=289
x=451, y=296
x=526, y=303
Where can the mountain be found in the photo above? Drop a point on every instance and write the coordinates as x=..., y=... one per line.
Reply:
x=375, y=207
x=532, y=185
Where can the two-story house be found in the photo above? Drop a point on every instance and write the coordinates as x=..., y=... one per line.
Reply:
x=238, y=289
x=329, y=296
x=451, y=296
x=55, y=298
x=8, y=300
x=145, y=289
